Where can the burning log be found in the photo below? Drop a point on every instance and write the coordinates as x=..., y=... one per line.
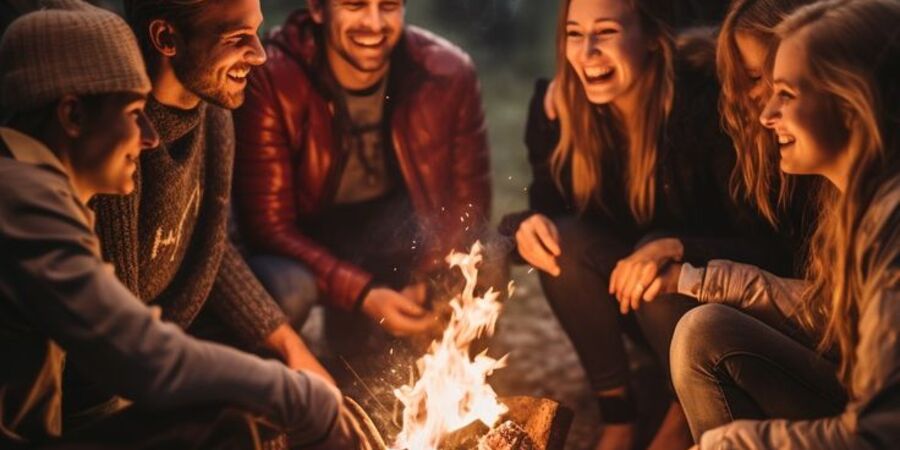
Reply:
x=508, y=436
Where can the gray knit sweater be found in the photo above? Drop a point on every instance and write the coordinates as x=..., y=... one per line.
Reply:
x=168, y=241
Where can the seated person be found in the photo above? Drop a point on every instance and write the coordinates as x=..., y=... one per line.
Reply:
x=361, y=161
x=76, y=84
x=743, y=382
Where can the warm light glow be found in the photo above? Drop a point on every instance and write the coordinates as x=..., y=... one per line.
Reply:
x=452, y=391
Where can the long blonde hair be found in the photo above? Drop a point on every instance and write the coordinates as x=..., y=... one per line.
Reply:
x=854, y=57
x=756, y=176
x=588, y=132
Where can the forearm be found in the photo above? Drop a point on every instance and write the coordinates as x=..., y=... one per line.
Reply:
x=241, y=302
x=118, y=343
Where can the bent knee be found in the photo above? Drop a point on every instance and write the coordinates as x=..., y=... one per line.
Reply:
x=697, y=339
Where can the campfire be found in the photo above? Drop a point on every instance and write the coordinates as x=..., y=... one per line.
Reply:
x=451, y=405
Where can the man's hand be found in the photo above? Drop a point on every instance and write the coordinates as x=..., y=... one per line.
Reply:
x=399, y=314
x=538, y=242
x=295, y=353
x=633, y=275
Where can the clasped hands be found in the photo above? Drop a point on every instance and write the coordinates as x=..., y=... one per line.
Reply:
x=651, y=270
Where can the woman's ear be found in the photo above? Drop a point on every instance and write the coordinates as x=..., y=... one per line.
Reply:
x=71, y=116
x=163, y=37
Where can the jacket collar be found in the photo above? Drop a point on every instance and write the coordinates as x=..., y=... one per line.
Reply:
x=29, y=150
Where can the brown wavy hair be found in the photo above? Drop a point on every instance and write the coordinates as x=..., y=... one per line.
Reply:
x=756, y=176
x=854, y=58
x=588, y=131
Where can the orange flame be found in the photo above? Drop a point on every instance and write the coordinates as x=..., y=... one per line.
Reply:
x=452, y=391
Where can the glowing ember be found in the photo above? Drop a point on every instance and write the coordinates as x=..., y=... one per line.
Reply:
x=452, y=391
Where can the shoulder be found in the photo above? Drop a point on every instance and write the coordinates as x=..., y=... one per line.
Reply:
x=879, y=230
x=436, y=55
x=28, y=192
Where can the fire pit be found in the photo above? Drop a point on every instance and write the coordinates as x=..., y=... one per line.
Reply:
x=451, y=406
x=529, y=424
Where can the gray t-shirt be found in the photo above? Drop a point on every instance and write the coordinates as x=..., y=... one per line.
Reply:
x=366, y=175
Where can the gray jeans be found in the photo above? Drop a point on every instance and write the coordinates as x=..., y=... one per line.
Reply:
x=727, y=365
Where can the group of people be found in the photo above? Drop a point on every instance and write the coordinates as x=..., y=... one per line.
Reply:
x=727, y=197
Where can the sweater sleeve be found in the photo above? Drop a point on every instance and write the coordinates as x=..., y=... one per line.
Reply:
x=70, y=295
x=771, y=299
x=242, y=303
x=117, y=228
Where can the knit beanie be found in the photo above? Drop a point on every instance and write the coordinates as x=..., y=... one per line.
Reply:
x=70, y=47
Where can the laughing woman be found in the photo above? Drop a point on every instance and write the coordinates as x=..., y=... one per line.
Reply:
x=630, y=173
x=836, y=113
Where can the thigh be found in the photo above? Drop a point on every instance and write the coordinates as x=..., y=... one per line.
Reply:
x=581, y=302
x=727, y=365
x=289, y=282
x=196, y=427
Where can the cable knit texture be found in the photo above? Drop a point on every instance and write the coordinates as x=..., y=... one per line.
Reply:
x=167, y=240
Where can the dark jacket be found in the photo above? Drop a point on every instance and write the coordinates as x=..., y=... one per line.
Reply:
x=694, y=164
x=289, y=159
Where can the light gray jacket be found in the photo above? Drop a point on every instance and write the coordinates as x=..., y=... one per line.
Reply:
x=871, y=419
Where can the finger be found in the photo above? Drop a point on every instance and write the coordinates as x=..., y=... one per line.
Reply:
x=551, y=227
x=619, y=286
x=624, y=306
x=614, y=277
x=646, y=273
x=652, y=291
x=630, y=283
x=416, y=292
x=538, y=257
x=408, y=307
x=406, y=325
x=546, y=237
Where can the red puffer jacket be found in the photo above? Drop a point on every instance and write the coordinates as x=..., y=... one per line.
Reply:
x=287, y=158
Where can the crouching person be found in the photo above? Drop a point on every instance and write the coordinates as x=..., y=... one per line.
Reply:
x=361, y=162
x=75, y=80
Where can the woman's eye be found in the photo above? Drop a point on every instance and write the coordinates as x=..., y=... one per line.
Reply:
x=573, y=34
x=607, y=31
x=785, y=95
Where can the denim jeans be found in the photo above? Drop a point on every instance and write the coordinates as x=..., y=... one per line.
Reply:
x=727, y=365
x=289, y=282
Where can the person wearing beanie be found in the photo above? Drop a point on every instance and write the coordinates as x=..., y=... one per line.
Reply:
x=168, y=239
x=73, y=77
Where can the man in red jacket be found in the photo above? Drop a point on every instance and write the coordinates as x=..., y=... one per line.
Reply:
x=362, y=160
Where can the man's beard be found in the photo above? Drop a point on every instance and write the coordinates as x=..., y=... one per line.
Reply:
x=194, y=75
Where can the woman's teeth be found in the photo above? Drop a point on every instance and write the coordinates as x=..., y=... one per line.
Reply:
x=597, y=73
x=785, y=140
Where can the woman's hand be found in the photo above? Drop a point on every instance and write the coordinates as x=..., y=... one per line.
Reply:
x=634, y=275
x=538, y=242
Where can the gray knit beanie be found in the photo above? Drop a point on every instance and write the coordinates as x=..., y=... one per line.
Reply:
x=70, y=47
